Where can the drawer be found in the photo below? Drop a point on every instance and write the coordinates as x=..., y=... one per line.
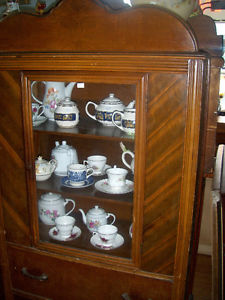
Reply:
x=56, y=278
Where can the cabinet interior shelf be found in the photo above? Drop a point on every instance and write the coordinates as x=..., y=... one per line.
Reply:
x=85, y=128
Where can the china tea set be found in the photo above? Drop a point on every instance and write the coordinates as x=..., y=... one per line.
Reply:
x=51, y=209
x=64, y=163
x=57, y=106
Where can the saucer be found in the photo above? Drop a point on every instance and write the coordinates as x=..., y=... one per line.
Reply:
x=39, y=121
x=88, y=182
x=97, y=242
x=53, y=233
x=103, y=186
x=103, y=171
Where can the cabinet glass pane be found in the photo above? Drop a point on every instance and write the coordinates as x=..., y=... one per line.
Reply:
x=100, y=198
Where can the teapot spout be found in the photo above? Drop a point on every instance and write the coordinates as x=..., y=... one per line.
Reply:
x=69, y=88
x=83, y=216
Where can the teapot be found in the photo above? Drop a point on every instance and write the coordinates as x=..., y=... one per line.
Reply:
x=44, y=168
x=51, y=206
x=105, y=110
x=127, y=123
x=54, y=93
x=64, y=155
x=96, y=217
x=66, y=114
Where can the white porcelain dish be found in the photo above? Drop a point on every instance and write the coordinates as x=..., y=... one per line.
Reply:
x=53, y=233
x=103, y=186
x=97, y=242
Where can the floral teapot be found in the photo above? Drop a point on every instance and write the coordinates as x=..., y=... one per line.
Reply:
x=96, y=217
x=104, y=111
x=64, y=155
x=51, y=206
x=54, y=93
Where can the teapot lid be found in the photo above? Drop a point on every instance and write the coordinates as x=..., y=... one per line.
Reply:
x=40, y=160
x=66, y=103
x=50, y=197
x=96, y=211
x=64, y=146
x=111, y=100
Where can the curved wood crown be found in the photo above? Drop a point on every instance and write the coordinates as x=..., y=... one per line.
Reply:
x=85, y=26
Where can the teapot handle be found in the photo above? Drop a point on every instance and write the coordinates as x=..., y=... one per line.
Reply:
x=124, y=159
x=53, y=164
x=37, y=100
x=111, y=215
x=113, y=119
x=66, y=202
x=87, y=112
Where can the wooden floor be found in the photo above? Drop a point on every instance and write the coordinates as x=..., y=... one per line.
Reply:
x=203, y=278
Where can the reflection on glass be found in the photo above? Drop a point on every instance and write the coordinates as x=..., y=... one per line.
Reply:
x=35, y=7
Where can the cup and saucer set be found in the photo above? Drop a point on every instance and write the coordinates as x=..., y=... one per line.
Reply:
x=81, y=175
x=116, y=183
x=37, y=116
x=107, y=237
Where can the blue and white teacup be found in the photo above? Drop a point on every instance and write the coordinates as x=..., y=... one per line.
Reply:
x=78, y=174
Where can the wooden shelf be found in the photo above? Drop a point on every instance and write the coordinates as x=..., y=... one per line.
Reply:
x=86, y=128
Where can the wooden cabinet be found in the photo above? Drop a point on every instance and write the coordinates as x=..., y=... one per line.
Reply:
x=172, y=87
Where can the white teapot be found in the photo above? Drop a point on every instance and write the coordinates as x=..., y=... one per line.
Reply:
x=54, y=93
x=96, y=217
x=51, y=206
x=44, y=168
x=105, y=110
x=127, y=122
x=66, y=114
x=64, y=155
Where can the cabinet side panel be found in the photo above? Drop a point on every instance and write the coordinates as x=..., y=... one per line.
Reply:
x=13, y=179
x=165, y=145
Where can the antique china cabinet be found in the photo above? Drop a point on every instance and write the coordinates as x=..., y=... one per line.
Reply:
x=171, y=69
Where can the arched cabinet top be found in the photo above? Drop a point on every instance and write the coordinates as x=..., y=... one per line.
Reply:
x=85, y=26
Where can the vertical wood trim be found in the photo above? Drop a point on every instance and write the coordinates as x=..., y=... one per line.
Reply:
x=139, y=182
x=30, y=171
x=191, y=146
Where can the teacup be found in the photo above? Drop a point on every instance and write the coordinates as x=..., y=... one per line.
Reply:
x=36, y=111
x=107, y=234
x=97, y=163
x=116, y=177
x=78, y=174
x=64, y=225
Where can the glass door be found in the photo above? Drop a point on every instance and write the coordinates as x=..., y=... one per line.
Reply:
x=83, y=157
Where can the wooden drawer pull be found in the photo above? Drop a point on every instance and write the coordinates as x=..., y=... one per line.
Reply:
x=41, y=277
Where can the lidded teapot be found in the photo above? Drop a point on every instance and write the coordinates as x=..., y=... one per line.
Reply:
x=96, y=217
x=44, y=168
x=127, y=123
x=64, y=155
x=54, y=93
x=51, y=206
x=66, y=114
x=104, y=111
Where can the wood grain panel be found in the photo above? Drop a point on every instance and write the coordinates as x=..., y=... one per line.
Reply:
x=13, y=179
x=165, y=139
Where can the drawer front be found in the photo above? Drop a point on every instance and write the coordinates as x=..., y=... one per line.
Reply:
x=54, y=278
